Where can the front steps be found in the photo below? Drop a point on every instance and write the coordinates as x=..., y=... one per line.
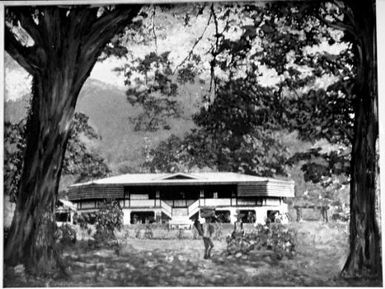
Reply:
x=180, y=218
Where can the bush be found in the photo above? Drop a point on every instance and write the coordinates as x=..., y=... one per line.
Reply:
x=218, y=231
x=84, y=219
x=275, y=237
x=108, y=219
x=163, y=232
x=66, y=234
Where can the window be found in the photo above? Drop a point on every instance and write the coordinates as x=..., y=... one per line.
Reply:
x=223, y=216
x=142, y=217
x=248, y=216
x=272, y=214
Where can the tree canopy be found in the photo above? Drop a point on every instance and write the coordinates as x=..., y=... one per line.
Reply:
x=79, y=160
x=243, y=103
x=325, y=88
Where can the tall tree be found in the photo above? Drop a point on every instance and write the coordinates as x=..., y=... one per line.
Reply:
x=58, y=46
x=344, y=113
x=365, y=254
x=281, y=36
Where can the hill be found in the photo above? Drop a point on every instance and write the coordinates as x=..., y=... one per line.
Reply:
x=109, y=113
x=123, y=147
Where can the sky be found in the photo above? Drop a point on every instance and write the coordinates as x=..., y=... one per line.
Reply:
x=172, y=36
x=176, y=38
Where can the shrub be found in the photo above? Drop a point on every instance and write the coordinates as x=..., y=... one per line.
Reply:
x=84, y=219
x=275, y=237
x=218, y=231
x=65, y=234
x=108, y=219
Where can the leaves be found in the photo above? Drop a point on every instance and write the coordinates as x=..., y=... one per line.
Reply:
x=238, y=128
x=79, y=160
x=275, y=237
x=108, y=218
x=152, y=86
x=14, y=147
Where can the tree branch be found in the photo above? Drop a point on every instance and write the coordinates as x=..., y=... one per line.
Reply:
x=153, y=30
x=120, y=16
x=214, y=52
x=188, y=57
x=25, y=56
x=101, y=33
x=28, y=24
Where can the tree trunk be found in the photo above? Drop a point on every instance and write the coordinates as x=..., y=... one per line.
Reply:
x=31, y=237
x=67, y=46
x=364, y=259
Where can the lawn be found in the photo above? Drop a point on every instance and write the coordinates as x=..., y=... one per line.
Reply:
x=320, y=254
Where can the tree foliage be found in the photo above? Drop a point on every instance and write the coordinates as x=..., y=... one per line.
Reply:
x=79, y=160
x=343, y=113
x=108, y=218
x=321, y=93
x=279, y=37
x=14, y=147
x=151, y=86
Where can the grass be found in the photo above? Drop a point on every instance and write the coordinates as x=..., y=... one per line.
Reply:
x=321, y=252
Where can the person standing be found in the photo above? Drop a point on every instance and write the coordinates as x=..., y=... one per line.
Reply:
x=208, y=230
x=238, y=226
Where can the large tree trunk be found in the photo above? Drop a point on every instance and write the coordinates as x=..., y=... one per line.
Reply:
x=67, y=45
x=365, y=253
x=31, y=236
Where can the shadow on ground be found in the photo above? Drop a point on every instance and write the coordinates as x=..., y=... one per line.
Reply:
x=321, y=252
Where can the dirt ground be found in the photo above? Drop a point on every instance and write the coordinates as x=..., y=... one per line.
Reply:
x=321, y=252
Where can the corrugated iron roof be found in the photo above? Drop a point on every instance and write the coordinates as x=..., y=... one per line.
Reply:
x=182, y=178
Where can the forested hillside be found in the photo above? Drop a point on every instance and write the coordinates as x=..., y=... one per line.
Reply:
x=109, y=112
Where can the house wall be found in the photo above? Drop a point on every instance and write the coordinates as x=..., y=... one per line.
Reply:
x=127, y=213
x=260, y=211
x=260, y=206
x=260, y=197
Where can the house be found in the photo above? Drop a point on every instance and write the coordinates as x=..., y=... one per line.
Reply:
x=178, y=198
